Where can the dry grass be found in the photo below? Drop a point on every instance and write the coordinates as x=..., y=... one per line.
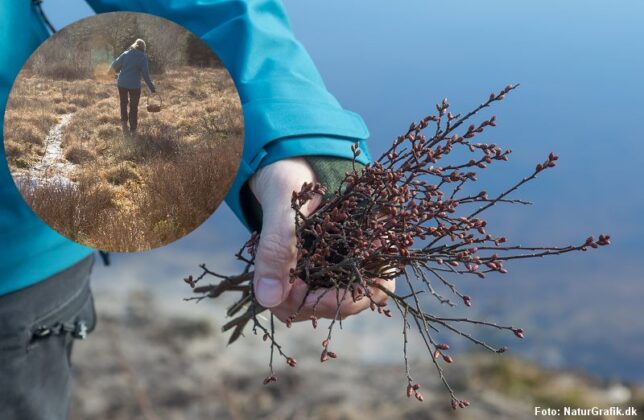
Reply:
x=78, y=154
x=73, y=212
x=27, y=122
x=131, y=192
x=121, y=174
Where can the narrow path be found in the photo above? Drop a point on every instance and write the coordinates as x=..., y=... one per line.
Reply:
x=53, y=161
x=53, y=167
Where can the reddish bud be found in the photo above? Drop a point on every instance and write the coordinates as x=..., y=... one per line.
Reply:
x=269, y=379
x=291, y=362
x=447, y=358
x=190, y=280
x=603, y=240
x=467, y=301
x=442, y=346
x=518, y=332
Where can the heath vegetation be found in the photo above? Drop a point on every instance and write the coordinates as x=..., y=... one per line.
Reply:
x=86, y=178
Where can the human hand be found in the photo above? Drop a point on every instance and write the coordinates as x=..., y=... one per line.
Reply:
x=276, y=254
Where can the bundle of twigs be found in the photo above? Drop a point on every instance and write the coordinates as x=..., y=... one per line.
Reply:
x=405, y=216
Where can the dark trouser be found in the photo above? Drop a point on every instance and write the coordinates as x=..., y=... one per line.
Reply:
x=38, y=326
x=134, y=96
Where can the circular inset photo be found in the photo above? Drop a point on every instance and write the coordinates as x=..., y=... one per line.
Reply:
x=123, y=132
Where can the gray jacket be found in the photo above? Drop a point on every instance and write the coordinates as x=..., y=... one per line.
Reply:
x=132, y=65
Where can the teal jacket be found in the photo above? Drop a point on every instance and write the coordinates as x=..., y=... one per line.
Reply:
x=287, y=109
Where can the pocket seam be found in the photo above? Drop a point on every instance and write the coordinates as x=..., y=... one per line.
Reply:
x=71, y=306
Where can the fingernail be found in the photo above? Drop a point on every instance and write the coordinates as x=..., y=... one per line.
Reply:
x=269, y=292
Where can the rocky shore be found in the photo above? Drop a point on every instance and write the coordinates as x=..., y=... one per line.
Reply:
x=145, y=361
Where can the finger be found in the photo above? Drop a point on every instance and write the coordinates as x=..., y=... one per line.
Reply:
x=276, y=252
x=276, y=255
x=294, y=307
x=323, y=303
x=328, y=305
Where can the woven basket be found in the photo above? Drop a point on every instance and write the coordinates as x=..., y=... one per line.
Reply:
x=153, y=106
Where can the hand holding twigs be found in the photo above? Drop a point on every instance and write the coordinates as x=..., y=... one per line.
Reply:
x=407, y=217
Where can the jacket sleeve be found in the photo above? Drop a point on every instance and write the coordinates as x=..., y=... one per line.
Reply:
x=287, y=109
x=117, y=64
x=146, y=75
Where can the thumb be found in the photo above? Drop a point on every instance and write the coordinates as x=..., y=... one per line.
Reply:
x=276, y=253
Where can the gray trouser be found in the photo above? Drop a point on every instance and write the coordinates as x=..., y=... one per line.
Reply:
x=38, y=325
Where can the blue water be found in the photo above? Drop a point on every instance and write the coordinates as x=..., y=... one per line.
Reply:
x=581, y=66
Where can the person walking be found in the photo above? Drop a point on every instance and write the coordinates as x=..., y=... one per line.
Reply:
x=131, y=66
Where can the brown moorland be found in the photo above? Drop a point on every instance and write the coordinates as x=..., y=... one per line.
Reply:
x=126, y=193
